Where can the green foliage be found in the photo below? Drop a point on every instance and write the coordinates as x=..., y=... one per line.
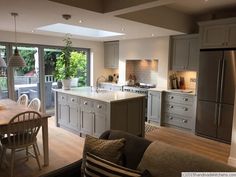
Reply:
x=3, y=83
x=71, y=64
x=28, y=56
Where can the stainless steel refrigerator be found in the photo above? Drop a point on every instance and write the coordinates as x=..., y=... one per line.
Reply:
x=216, y=91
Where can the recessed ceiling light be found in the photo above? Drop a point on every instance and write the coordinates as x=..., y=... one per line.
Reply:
x=78, y=30
x=32, y=31
x=80, y=21
x=205, y=0
x=122, y=29
x=153, y=35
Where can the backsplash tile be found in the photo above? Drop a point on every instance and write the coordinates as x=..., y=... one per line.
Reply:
x=146, y=71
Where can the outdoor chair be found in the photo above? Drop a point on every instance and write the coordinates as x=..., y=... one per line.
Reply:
x=23, y=100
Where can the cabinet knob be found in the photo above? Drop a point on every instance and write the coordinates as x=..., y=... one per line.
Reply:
x=99, y=106
x=85, y=103
x=170, y=118
x=185, y=99
x=171, y=97
x=171, y=106
x=185, y=109
x=62, y=97
x=72, y=99
x=184, y=121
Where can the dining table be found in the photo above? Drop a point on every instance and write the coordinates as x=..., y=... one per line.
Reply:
x=9, y=108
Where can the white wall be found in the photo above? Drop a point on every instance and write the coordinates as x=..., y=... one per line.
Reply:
x=97, y=49
x=149, y=48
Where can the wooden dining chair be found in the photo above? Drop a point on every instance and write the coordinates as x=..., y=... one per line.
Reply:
x=35, y=105
x=23, y=100
x=21, y=133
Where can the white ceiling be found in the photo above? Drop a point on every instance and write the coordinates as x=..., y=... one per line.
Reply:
x=37, y=13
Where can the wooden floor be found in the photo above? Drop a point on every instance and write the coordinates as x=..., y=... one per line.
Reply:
x=66, y=147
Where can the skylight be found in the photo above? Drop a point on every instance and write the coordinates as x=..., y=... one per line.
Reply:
x=78, y=30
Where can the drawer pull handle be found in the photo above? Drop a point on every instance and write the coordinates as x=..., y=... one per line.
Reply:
x=171, y=97
x=185, y=99
x=171, y=106
x=185, y=121
x=99, y=106
x=72, y=99
x=85, y=103
x=171, y=118
x=186, y=109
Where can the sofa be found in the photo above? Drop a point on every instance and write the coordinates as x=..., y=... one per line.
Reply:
x=169, y=161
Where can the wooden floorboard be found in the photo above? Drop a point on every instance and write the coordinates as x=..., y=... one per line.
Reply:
x=66, y=147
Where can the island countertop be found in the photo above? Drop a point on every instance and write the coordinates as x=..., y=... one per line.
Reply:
x=103, y=95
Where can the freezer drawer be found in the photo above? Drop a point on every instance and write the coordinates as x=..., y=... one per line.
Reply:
x=206, y=123
x=178, y=121
x=225, y=121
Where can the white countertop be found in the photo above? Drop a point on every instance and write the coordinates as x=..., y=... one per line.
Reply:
x=186, y=91
x=106, y=96
x=112, y=83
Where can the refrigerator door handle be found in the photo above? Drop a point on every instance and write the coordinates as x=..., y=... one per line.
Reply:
x=216, y=114
x=222, y=80
x=219, y=115
x=218, y=80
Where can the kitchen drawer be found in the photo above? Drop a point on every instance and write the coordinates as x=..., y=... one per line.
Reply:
x=86, y=104
x=179, y=98
x=62, y=98
x=178, y=121
x=183, y=110
x=73, y=99
x=100, y=107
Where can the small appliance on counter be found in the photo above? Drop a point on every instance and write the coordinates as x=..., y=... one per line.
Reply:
x=110, y=78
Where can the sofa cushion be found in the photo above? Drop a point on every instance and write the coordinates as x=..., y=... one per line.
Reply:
x=134, y=146
x=96, y=166
x=110, y=150
x=161, y=159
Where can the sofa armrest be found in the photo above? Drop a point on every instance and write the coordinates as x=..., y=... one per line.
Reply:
x=71, y=170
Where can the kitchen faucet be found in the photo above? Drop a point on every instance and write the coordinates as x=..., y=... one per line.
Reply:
x=100, y=77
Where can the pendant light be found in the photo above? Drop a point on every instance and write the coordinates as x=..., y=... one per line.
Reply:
x=16, y=60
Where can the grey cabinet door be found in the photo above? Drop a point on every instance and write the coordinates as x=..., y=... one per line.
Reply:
x=99, y=125
x=64, y=114
x=111, y=54
x=210, y=63
x=180, y=53
x=74, y=117
x=225, y=121
x=206, y=123
x=87, y=121
x=214, y=36
x=154, y=106
x=193, y=54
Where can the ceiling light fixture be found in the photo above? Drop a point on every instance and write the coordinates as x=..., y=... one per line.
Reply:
x=80, y=21
x=16, y=60
x=66, y=16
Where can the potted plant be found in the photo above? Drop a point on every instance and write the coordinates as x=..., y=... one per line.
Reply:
x=63, y=70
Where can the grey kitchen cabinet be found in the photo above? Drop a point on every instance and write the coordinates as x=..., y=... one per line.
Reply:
x=218, y=34
x=111, y=54
x=154, y=107
x=68, y=112
x=85, y=115
x=184, y=52
x=179, y=110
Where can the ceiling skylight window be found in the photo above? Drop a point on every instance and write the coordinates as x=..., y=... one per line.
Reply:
x=78, y=30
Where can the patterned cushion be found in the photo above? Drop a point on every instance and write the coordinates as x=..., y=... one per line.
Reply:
x=110, y=150
x=96, y=166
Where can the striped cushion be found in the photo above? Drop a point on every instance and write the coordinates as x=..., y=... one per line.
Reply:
x=96, y=166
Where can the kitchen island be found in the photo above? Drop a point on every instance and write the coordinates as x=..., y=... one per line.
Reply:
x=86, y=111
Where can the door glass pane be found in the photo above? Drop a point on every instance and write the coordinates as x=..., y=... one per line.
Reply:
x=3, y=78
x=26, y=79
x=50, y=57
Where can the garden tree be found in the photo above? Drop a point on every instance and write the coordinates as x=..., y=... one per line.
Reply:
x=28, y=56
x=50, y=58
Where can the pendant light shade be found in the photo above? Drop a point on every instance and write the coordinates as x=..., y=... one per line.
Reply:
x=16, y=60
x=2, y=63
